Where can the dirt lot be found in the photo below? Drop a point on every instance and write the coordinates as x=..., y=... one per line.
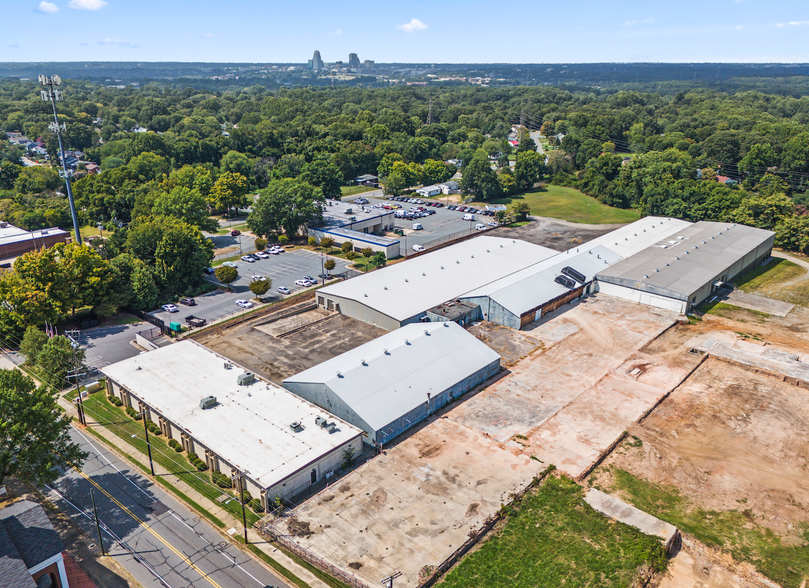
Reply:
x=510, y=344
x=554, y=234
x=254, y=345
x=415, y=505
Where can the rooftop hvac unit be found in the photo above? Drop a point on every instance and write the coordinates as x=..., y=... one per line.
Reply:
x=296, y=427
x=321, y=422
x=245, y=379
x=331, y=427
x=207, y=402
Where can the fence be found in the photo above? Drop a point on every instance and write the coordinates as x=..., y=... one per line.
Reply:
x=148, y=318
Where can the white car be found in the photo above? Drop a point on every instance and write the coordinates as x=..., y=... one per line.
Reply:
x=303, y=283
x=418, y=247
x=244, y=303
x=170, y=308
x=255, y=277
x=229, y=264
x=480, y=227
x=248, y=259
x=275, y=250
x=284, y=290
x=262, y=254
x=417, y=226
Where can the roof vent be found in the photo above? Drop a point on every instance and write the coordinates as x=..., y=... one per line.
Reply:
x=677, y=258
x=339, y=374
x=442, y=267
x=636, y=234
x=207, y=402
x=712, y=237
x=407, y=342
x=245, y=379
x=386, y=287
x=406, y=280
x=385, y=351
x=667, y=263
x=456, y=261
x=645, y=276
x=446, y=324
x=366, y=295
x=644, y=230
x=426, y=332
x=362, y=361
x=704, y=241
x=473, y=257
x=657, y=270
x=423, y=274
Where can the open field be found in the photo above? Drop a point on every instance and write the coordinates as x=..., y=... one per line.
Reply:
x=254, y=344
x=417, y=503
x=571, y=205
x=780, y=279
x=556, y=539
x=723, y=457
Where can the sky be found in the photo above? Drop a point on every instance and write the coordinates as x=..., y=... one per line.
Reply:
x=418, y=31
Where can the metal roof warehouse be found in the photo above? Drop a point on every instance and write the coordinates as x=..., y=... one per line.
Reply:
x=252, y=427
x=391, y=383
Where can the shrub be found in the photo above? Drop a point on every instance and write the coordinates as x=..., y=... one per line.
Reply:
x=111, y=398
x=255, y=505
x=131, y=412
x=221, y=480
x=261, y=244
x=192, y=457
x=352, y=255
x=367, y=252
x=326, y=242
x=347, y=246
x=200, y=465
x=330, y=264
x=118, y=402
x=312, y=241
x=175, y=445
x=283, y=239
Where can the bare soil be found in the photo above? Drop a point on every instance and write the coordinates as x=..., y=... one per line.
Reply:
x=554, y=234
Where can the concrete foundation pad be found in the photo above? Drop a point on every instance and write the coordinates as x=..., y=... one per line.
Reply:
x=759, y=303
x=629, y=515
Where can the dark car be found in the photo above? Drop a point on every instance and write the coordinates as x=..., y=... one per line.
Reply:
x=235, y=233
x=188, y=301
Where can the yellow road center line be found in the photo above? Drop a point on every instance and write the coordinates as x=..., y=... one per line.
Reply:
x=148, y=528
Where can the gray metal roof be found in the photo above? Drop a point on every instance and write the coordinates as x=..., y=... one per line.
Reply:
x=535, y=285
x=31, y=533
x=390, y=376
x=681, y=264
x=405, y=289
x=360, y=236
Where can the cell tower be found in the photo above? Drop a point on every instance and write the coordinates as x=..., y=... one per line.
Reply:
x=52, y=95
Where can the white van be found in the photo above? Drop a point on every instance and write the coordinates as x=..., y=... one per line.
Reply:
x=469, y=217
x=417, y=226
x=480, y=227
x=418, y=247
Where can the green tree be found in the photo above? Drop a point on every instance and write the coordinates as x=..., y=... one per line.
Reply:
x=237, y=163
x=764, y=211
x=329, y=264
x=529, y=169
x=260, y=243
x=379, y=259
x=479, y=179
x=347, y=246
x=521, y=210
x=325, y=175
x=260, y=287
x=327, y=242
x=145, y=292
x=186, y=204
x=32, y=343
x=34, y=432
x=229, y=191
x=435, y=172
x=56, y=359
x=508, y=185
x=367, y=252
x=226, y=274
x=287, y=205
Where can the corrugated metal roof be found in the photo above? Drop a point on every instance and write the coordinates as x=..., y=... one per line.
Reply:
x=533, y=286
x=689, y=259
x=637, y=236
x=406, y=289
x=400, y=368
x=248, y=428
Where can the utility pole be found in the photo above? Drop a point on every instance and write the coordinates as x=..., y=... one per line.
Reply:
x=74, y=373
x=241, y=499
x=98, y=527
x=388, y=582
x=52, y=95
x=148, y=445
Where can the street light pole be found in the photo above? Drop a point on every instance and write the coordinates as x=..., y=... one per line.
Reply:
x=148, y=445
x=52, y=95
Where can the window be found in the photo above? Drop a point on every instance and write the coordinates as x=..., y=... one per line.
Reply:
x=320, y=300
x=330, y=305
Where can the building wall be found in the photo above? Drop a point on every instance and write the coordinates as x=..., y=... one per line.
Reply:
x=324, y=397
x=634, y=295
x=20, y=247
x=357, y=310
x=392, y=250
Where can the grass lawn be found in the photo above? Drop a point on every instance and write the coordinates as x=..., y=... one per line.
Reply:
x=735, y=531
x=772, y=279
x=119, y=423
x=89, y=231
x=556, y=539
x=225, y=229
x=571, y=205
x=354, y=190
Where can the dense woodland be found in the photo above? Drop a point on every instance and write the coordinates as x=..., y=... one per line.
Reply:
x=201, y=152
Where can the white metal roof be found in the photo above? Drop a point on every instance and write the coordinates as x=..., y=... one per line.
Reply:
x=250, y=428
x=535, y=285
x=637, y=236
x=390, y=376
x=406, y=289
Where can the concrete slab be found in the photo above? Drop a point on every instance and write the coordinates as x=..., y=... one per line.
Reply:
x=759, y=303
x=629, y=515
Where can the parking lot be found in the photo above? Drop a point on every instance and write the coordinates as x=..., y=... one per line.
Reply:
x=283, y=269
x=437, y=226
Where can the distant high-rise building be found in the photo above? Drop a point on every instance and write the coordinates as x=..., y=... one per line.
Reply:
x=353, y=60
x=369, y=64
x=316, y=63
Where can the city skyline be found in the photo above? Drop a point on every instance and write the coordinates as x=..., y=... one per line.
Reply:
x=249, y=31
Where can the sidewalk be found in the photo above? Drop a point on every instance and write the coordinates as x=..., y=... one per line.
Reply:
x=126, y=450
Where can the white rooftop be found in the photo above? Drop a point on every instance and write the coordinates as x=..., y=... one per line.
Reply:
x=11, y=234
x=390, y=376
x=637, y=236
x=406, y=289
x=535, y=285
x=249, y=428
x=336, y=214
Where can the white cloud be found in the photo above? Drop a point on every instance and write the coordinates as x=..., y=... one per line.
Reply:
x=206, y=35
x=649, y=20
x=412, y=26
x=337, y=32
x=109, y=41
x=629, y=23
x=47, y=7
x=87, y=4
x=793, y=23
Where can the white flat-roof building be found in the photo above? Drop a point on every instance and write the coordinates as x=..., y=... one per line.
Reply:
x=394, y=382
x=403, y=293
x=280, y=442
x=356, y=223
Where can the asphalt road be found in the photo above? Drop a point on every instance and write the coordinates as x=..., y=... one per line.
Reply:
x=160, y=542
x=105, y=345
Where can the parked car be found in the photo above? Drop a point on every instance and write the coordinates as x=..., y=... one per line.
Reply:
x=235, y=233
x=255, y=277
x=244, y=303
x=417, y=226
x=275, y=249
x=480, y=227
x=284, y=290
x=310, y=278
x=326, y=276
x=209, y=270
x=188, y=301
x=469, y=217
x=248, y=259
x=418, y=247
x=170, y=308
x=262, y=254
x=195, y=321
x=230, y=264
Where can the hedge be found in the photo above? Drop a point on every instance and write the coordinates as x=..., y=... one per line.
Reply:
x=255, y=505
x=221, y=480
x=175, y=445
